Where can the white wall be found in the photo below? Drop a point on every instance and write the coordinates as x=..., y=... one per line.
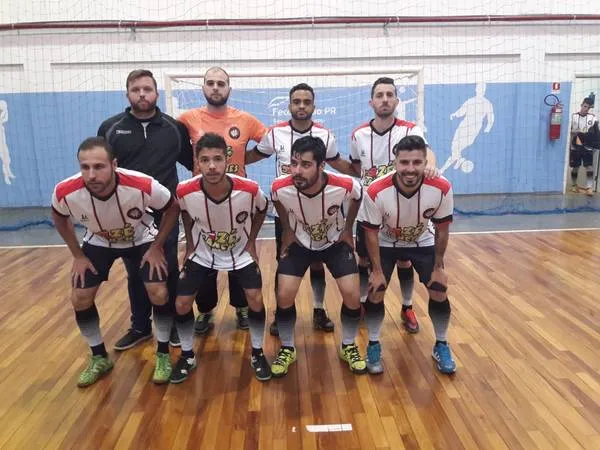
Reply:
x=45, y=61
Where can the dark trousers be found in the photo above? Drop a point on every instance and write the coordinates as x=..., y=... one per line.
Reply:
x=207, y=297
x=141, y=308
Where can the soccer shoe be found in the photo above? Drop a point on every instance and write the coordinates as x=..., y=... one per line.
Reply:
x=409, y=320
x=321, y=321
x=284, y=359
x=374, y=365
x=203, y=323
x=273, y=329
x=242, y=318
x=442, y=354
x=163, y=369
x=97, y=367
x=174, y=338
x=351, y=355
x=261, y=367
x=131, y=339
x=182, y=370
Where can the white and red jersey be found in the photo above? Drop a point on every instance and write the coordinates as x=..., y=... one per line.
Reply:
x=406, y=220
x=317, y=220
x=120, y=220
x=221, y=228
x=582, y=124
x=279, y=140
x=374, y=150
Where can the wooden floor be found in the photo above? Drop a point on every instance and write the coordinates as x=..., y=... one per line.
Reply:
x=525, y=333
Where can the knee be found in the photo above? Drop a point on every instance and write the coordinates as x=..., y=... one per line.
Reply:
x=183, y=305
x=403, y=264
x=82, y=299
x=254, y=298
x=158, y=293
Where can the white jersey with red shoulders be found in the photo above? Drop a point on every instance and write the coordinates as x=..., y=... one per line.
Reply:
x=582, y=124
x=317, y=220
x=120, y=220
x=374, y=149
x=406, y=220
x=221, y=228
x=279, y=140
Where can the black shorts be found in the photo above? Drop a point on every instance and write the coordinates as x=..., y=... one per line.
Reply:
x=278, y=233
x=422, y=259
x=194, y=275
x=339, y=259
x=580, y=154
x=360, y=241
x=103, y=258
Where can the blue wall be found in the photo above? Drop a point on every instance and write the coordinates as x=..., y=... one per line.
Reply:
x=44, y=130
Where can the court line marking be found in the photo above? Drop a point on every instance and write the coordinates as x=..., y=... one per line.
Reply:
x=334, y=427
x=541, y=230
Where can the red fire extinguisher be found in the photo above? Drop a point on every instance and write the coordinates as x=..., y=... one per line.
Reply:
x=555, y=116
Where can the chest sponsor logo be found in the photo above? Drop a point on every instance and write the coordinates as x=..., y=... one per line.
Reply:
x=122, y=131
x=125, y=234
x=333, y=209
x=318, y=231
x=220, y=240
x=135, y=213
x=241, y=217
x=375, y=172
x=407, y=234
x=84, y=218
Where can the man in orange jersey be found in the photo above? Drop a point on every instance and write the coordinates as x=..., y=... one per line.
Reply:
x=238, y=128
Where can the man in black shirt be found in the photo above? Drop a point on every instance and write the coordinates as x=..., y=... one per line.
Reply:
x=147, y=140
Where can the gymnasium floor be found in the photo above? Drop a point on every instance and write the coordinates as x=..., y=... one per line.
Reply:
x=525, y=334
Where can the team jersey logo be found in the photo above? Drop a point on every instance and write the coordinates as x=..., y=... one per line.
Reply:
x=234, y=133
x=318, y=231
x=285, y=169
x=221, y=240
x=406, y=234
x=125, y=234
x=375, y=172
x=428, y=213
x=241, y=217
x=333, y=209
x=134, y=213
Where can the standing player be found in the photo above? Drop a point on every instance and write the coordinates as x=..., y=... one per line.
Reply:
x=398, y=212
x=279, y=140
x=145, y=139
x=111, y=203
x=309, y=203
x=222, y=215
x=581, y=122
x=238, y=128
x=372, y=157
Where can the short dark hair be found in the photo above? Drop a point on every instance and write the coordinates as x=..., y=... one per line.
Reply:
x=302, y=87
x=217, y=69
x=139, y=73
x=310, y=144
x=589, y=101
x=383, y=80
x=96, y=141
x=211, y=140
x=410, y=143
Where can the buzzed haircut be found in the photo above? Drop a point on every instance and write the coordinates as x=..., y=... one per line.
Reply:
x=96, y=141
x=139, y=73
x=383, y=80
x=211, y=140
x=217, y=69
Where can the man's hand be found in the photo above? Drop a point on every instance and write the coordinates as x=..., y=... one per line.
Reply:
x=80, y=265
x=376, y=281
x=431, y=172
x=287, y=239
x=155, y=257
x=251, y=248
x=346, y=236
x=439, y=280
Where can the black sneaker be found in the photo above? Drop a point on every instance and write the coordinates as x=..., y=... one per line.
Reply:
x=131, y=339
x=182, y=369
x=174, y=339
x=321, y=321
x=242, y=318
x=203, y=323
x=261, y=367
x=273, y=330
